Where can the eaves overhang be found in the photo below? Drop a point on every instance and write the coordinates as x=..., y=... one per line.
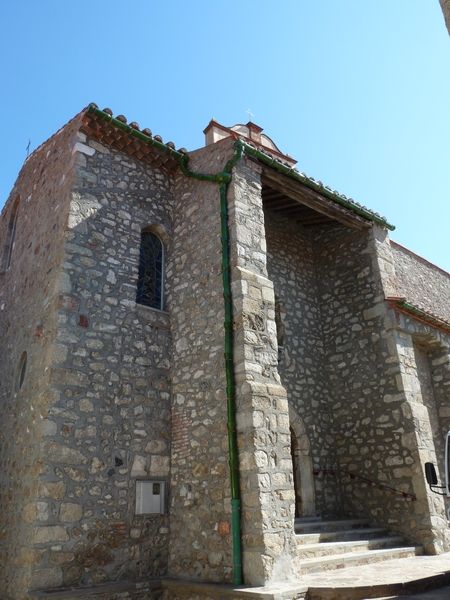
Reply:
x=402, y=305
x=349, y=204
x=117, y=133
x=142, y=144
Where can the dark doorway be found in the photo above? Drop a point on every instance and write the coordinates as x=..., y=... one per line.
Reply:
x=303, y=473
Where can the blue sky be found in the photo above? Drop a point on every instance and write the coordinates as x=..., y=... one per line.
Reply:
x=357, y=91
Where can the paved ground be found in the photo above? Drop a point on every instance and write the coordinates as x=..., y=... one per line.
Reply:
x=381, y=579
x=441, y=594
x=390, y=571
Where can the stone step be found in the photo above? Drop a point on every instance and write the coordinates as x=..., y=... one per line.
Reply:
x=352, y=559
x=360, y=533
x=442, y=593
x=422, y=576
x=346, y=547
x=428, y=588
x=335, y=525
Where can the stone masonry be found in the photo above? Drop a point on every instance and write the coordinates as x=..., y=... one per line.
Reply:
x=200, y=489
x=110, y=381
x=291, y=263
x=263, y=414
x=341, y=367
x=445, y=4
x=29, y=305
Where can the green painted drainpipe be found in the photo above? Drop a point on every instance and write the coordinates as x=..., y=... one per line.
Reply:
x=223, y=178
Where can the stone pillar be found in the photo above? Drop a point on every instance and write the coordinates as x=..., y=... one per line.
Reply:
x=384, y=261
x=440, y=374
x=428, y=518
x=262, y=410
x=424, y=522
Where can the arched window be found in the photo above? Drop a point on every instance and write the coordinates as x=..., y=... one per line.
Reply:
x=10, y=236
x=150, y=287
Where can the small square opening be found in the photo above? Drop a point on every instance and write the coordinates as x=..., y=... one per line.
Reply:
x=150, y=497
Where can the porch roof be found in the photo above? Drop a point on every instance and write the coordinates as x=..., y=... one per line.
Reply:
x=116, y=132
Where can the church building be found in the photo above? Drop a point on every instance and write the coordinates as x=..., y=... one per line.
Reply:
x=215, y=371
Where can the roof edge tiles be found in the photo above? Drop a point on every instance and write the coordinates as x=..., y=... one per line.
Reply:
x=402, y=305
x=318, y=186
x=131, y=131
x=146, y=137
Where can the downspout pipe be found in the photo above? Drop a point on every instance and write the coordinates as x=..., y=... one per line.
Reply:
x=223, y=179
x=249, y=150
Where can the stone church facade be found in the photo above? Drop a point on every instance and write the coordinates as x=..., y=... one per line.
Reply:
x=196, y=349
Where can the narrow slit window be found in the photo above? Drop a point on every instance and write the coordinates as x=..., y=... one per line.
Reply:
x=10, y=237
x=21, y=371
x=150, y=287
x=280, y=329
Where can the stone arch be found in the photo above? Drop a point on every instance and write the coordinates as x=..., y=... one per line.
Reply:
x=302, y=465
x=158, y=230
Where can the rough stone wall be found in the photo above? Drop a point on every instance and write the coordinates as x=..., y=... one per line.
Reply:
x=427, y=523
x=28, y=305
x=421, y=283
x=439, y=358
x=291, y=266
x=262, y=409
x=109, y=416
x=422, y=359
x=445, y=4
x=374, y=424
x=424, y=378
x=439, y=364
x=94, y=414
x=200, y=509
x=200, y=545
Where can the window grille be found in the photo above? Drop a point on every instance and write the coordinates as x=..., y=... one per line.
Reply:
x=151, y=266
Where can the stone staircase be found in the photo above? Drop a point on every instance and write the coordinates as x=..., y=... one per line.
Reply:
x=341, y=543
